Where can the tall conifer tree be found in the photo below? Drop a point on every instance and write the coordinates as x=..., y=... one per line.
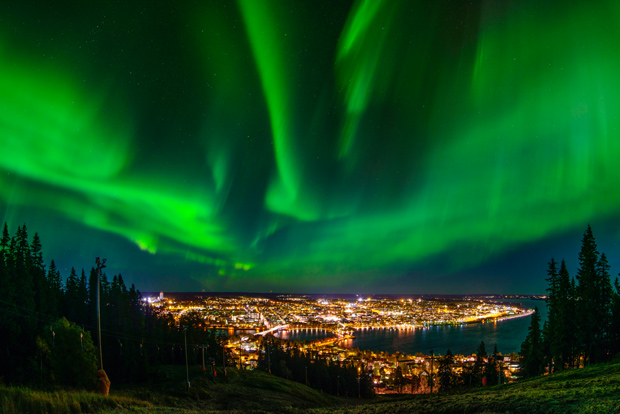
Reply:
x=8, y=327
x=531, y=349
x=40, y=284
x=551, y=329
x=56, y=290
x=566, y=310
x=23, y=261
x=604, y=310
x=588, y=295
x=615, y=320
x=480, y=365
x=445, y=374
x=72, y=299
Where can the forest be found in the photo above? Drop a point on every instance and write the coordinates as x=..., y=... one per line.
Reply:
x=48, y=327
x=48, y=331
x=583, y=323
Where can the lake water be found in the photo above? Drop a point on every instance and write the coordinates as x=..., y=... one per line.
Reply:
x=464, y=339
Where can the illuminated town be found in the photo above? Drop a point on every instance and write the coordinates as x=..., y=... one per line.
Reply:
x=246, y=321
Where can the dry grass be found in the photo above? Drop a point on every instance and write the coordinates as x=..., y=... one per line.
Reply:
x=591, y=390
x=594, y=389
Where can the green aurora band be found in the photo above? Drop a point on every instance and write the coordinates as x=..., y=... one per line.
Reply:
x=316, y=146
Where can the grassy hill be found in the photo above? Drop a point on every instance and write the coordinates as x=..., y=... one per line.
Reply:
x=591, y=390
x=594, y=389
x=247, y=391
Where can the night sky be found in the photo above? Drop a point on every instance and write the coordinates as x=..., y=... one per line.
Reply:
x=312, y=146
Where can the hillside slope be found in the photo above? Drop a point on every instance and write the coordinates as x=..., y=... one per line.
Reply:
x=594, y=389
x=247, y=391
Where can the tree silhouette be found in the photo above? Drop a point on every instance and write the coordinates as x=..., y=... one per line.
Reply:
x=72, y=355
x=531, y=349
x=447, y=379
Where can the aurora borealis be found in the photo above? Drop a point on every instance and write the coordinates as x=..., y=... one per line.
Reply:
x=312, y=146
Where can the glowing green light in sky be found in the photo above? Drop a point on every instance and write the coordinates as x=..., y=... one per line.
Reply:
x=359, y=57
x=322, y=143
x=270, y=51
x=528, y=152
x=57, y=135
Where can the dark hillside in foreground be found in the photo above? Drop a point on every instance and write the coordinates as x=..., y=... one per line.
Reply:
x=594, y=389
x=243, y=391
x=248, y=391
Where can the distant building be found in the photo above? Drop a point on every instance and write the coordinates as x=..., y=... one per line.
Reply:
x=161, y=295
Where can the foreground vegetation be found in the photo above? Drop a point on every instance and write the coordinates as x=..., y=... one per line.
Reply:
x=47, y=351
x=583, y=316
x=247, y=391
x=593, y=389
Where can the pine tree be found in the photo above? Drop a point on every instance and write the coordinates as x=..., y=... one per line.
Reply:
x=135, y=308
x=546, y=348
x=615, y=321
x=531, y=349
x=565, y=341
x=22, y=260
x=492, y=368
x=558, y=331
x=82, y=290
x=6, y=239
x=575, y=344
x=93, y=287
x=445, y=374
x=479, y=365
x=7, y=289
x=56, y=291
x=604, y=310
x=588, y=294
x=40, y=284
x=21, y=319
x=72, y=300
x=8, y=326
x=37, y=255
x=552, y=327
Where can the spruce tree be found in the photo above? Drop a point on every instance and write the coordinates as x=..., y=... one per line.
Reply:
x=82, y=309
x=91, y=318
x=72, y=300
x=479, y=365
x=614, y=334
x=531, y=349
x=22, y=277
x=545, y=348
x=558, y=331
x=604, y=310
x=445, y=374
x=56, y=290
x=7, y=288
x=575, y=343
x=492, y=368
x=8, y=325
x=565, y=340
x=552, y=327
x=40, y=284
x=588, y=295
x=6, y=239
